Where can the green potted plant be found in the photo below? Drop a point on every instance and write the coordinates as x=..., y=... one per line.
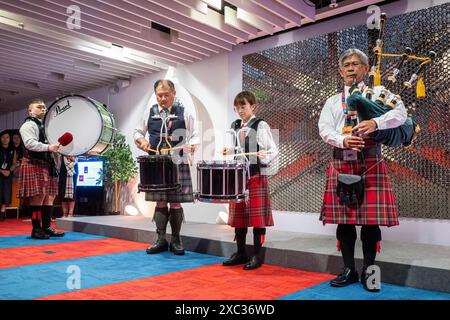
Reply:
x=119, y=168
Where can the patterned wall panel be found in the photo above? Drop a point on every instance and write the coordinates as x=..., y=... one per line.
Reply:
x=292, y=83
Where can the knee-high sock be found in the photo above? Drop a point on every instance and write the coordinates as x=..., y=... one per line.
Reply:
x=161, y=218
x=176, y=217
x=346, y=234
x=241, y=234
x=370, y=235
x=36, y=216
x=258, y=240
x=47, y=212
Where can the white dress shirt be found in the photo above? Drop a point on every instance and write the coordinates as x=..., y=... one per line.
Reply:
x=332, y=118
x=192, y=133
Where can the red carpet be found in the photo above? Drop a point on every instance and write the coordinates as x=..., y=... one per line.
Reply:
x=205, y=283
x=20, y=256
x=13, y=227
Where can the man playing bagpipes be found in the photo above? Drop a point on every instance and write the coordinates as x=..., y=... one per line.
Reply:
x=366, y=109
x=363, y=108
x=358, y=188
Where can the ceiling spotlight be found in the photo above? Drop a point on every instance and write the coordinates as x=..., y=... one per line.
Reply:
x=116, y=51
x=333, y=4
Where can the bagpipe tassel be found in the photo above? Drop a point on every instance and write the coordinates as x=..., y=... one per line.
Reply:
x=420, y=89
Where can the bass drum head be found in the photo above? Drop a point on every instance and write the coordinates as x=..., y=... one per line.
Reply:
x=80, y=117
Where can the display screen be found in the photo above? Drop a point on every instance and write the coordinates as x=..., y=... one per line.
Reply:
x=89, y=174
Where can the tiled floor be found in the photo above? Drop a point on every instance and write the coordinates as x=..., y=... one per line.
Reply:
x=106, y=268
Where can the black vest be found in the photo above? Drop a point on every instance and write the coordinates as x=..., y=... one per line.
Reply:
x=251, y=144
x=45, y=156
x=154, y=126
x=6, y=158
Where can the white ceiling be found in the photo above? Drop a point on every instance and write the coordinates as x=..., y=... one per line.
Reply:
x=44, y=54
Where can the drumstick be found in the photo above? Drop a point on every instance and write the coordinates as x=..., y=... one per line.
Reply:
x=174, y=148
x=180, y=147
x=150, y=149
x=248, y=154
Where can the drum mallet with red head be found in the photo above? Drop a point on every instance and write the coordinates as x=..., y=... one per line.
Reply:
x=65, y=139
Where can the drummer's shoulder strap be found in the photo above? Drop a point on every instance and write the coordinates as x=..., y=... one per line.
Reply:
x=235, y=125
x=154, y=110
x=34, y=120
x=254, y=123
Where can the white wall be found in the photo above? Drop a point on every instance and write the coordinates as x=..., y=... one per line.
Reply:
x=213, y=83
x=208, y=91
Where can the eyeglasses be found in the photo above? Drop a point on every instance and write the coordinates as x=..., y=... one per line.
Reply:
x=242, y=107
x=351, y=64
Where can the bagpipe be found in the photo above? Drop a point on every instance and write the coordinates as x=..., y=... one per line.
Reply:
x=365, y=109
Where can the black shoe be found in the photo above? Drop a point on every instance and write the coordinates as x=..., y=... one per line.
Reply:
x=38, y=233
x=254, y=263
x=364, y=277
x=160, y=246
x=235, y=259
x=176, y=247
x=2, y=216
x=53, y=233
x=348, y=276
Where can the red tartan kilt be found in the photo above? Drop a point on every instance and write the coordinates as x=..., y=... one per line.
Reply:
x=378, y=207
x=257, y=212
x=34, y=179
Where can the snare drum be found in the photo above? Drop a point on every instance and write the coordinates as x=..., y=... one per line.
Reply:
x=221, y=181
x=158, y=173
x=89, y=122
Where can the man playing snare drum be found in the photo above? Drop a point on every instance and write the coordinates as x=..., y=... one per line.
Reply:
x=181, y=133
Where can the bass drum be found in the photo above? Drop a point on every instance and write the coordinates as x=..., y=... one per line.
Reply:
x=90, y=123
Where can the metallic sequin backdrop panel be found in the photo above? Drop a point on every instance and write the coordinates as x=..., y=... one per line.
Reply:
x=292, y=83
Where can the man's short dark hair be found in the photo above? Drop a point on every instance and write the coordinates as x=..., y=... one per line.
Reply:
x=164, y=81
x=35, y=101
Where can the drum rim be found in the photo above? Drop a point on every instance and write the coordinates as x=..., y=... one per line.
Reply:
x=223, y=197
x=150, y=156
x=101, y=133
x=221, y=161
x=222, y=166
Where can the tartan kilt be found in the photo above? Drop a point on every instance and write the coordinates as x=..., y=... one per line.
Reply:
x=378, y=206
x=185, y=194
x=34, y=179
x=66, y=186
x=69, y=190
x=257, y=211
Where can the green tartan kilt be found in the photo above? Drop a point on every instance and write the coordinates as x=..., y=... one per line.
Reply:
x=185, y=194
